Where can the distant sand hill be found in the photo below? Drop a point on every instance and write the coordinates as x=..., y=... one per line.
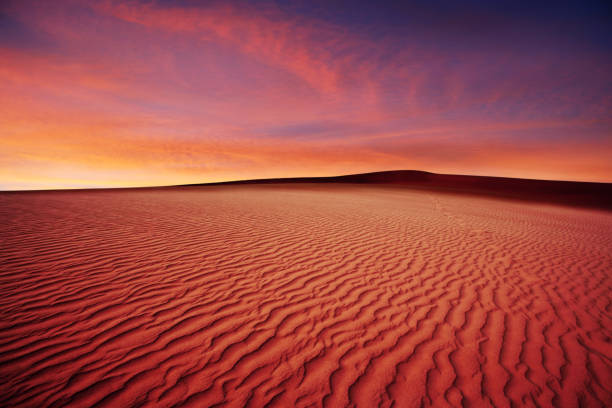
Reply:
x=598, y=195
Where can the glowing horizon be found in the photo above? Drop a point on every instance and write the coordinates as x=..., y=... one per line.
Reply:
x=144, y=93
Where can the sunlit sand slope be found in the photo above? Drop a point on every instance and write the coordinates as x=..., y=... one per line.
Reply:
x=302, y=296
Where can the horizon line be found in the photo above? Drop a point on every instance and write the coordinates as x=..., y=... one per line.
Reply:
x=307, y=179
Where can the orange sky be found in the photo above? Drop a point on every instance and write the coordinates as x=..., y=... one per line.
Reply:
x=108, y=93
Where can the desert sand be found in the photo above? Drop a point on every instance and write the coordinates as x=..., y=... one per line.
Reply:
x=302, y=295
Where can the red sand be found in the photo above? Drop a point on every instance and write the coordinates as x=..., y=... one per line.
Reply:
x=302, y=296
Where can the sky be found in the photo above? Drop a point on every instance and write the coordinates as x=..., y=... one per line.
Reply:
x=107, y=93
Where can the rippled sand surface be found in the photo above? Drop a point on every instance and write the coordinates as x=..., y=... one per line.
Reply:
x=302, y=296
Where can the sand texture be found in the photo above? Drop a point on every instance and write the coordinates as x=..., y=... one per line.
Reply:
x=306, y=296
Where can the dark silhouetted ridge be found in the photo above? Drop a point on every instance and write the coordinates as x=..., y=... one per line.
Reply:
x=575, y=193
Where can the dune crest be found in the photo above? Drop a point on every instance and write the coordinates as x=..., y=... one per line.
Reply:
x=304, y=295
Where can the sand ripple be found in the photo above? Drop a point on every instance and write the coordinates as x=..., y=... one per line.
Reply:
x=302, y=296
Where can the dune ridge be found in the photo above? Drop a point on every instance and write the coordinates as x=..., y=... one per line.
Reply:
x=304, y=295
x=573, y=193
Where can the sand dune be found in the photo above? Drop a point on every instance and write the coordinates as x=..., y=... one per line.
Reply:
x=574, y=193
x=302, y=295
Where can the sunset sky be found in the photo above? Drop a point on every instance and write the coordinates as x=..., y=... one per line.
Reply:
x=136, y=93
